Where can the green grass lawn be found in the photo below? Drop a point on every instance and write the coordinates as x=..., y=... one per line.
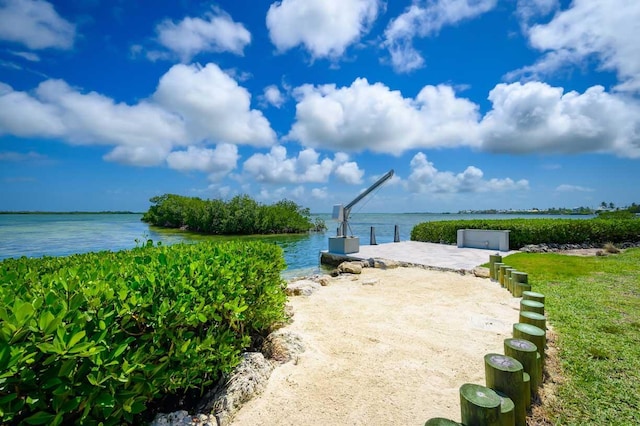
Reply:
x=593, y=303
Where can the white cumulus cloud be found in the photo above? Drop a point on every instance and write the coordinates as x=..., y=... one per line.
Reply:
x=213, y=106
x=324, y=27
x=217, y=162
x=536, y=117
x=35, y=24
x=426, y=178
x=276, y=167
x=604, y=30
x=273, y=96
x=374, y=117
x=191, y=105
x=216, y=33
x=349, y=173
x=422, y=19
x=320, y=193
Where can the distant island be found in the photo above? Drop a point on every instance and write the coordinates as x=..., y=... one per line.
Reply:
x=603, y=208
x=551, y=211
x=72, y=212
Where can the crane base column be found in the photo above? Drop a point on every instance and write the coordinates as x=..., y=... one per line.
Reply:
x=344, y=245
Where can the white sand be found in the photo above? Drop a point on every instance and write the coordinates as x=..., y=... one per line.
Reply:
x=392, y=353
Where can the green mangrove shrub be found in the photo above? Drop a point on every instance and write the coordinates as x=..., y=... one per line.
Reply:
x=536, y=231
x=93, y=338
x=239, y=216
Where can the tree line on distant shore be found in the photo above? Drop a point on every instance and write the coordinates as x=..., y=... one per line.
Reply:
x=604, y=207
x=239, y=216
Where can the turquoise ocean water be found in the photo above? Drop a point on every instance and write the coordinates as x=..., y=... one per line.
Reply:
x=35, y=235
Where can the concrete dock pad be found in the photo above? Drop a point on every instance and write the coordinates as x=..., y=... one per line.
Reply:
x=428, y=255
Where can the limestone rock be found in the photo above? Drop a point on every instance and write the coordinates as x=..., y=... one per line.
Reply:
x=247, y=380
x=481, y=272
x=184, y=418
x=323, y=281
x=302, y=288
x=350, y=267
x=386, y=264
x=283, y=346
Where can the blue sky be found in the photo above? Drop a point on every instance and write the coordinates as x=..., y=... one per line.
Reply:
x=476, y=104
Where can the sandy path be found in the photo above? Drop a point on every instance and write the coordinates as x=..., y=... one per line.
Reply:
x=386, y=348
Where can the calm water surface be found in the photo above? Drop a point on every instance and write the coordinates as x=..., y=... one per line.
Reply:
x=35, y=235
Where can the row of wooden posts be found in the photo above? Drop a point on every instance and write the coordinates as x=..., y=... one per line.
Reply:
x=512, y=379
x=372, y=235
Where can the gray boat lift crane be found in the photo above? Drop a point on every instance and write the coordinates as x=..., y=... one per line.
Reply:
x=343, y=244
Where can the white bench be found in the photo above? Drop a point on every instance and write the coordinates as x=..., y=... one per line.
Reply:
x=484, y=239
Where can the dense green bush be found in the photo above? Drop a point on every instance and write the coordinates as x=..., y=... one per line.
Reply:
x=536, y=231
x=617, y=214
x=239, y=216
x=95, y=337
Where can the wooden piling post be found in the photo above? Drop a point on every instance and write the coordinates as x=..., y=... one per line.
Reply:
x=534, y=334
x=496, y=271
x=531, y=306
x=507, y=279
x=532, y=295
x=479, y=405
x=526, y=352
x=520, y=282
x=505, y=374
x=372, y=237
x=526, y=378
x=503, y=274
x=507, y=414
x=441, y=421
x=533, y=318
x=493, y=258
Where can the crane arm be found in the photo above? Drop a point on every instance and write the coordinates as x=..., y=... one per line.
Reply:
x=372, y=188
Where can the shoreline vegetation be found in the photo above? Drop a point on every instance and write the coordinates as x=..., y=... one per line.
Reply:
x=239, y=216
x=620, y=227
x=103, y=337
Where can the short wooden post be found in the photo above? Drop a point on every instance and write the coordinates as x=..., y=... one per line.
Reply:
x=372, y=237
x=526, y=378
x=540, y=364
x=507, y=414
x=527, y=353
x=531, y=306
x=533, y=318
x=532, y=295
x=493, y=258
x=441, y=421
x=507, y=279
x=534, y=334
x=520, y=283
x=505, y=374
x=496, y=270
x=479, y=405
x=503, y=274
x=396, y=234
